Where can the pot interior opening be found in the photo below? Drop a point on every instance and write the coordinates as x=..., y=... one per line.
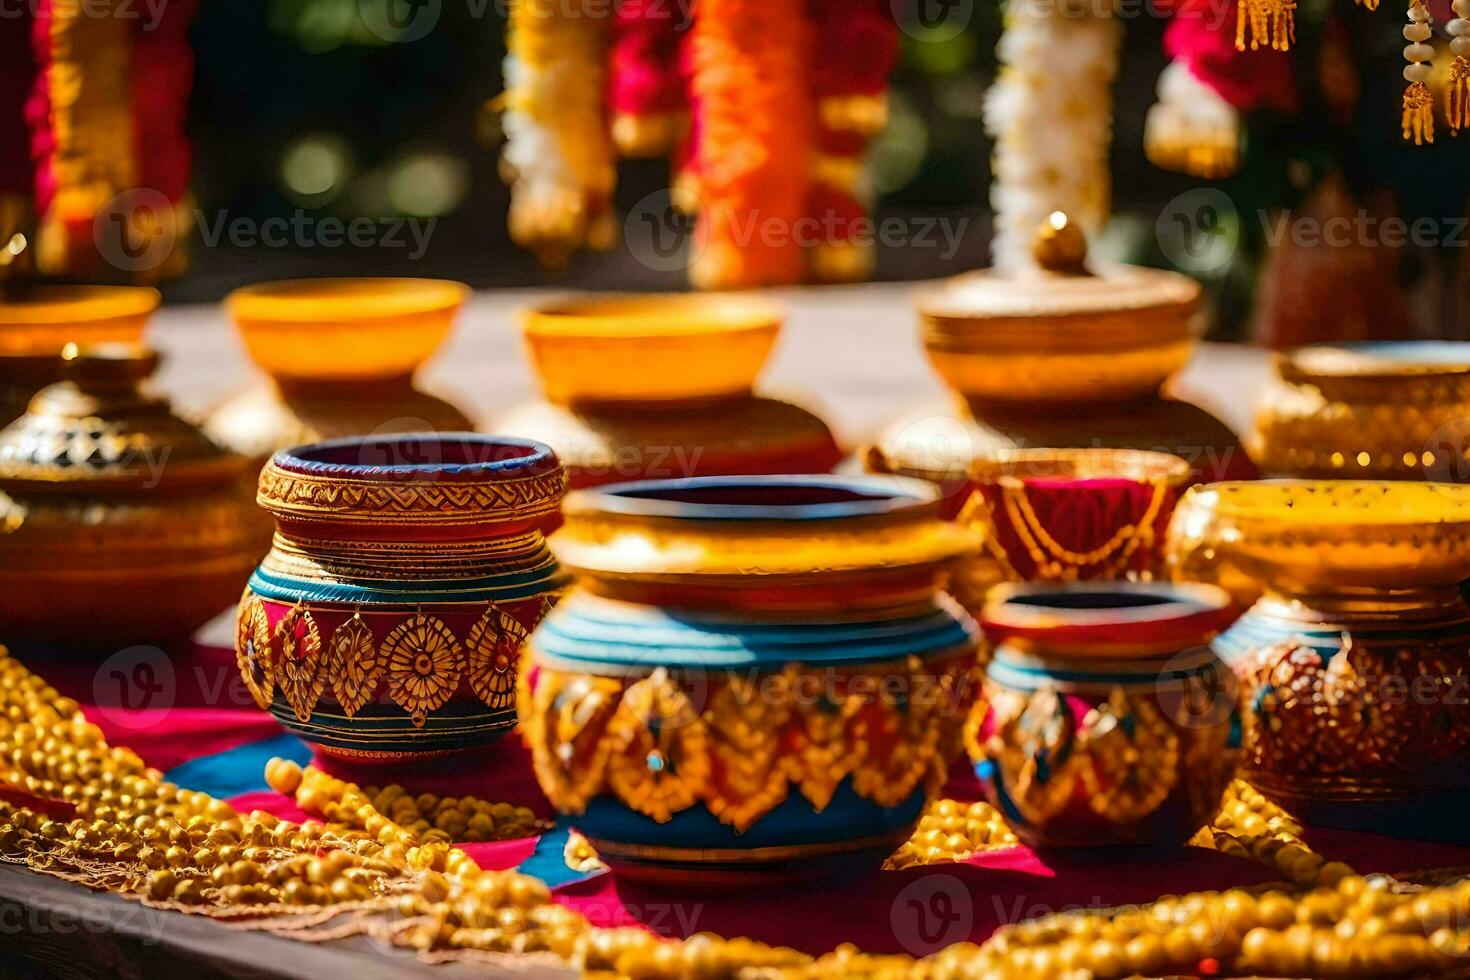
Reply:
x=1091, y=600
x=426, y=451
x=760, y=498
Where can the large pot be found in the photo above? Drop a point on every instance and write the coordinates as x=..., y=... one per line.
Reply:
x=1354, y=666
x=1068, y=355
x=751, y=671
x=120, y=523
x=340, y=356
x=1106, y=716
x=659, y=387
x=384, y=625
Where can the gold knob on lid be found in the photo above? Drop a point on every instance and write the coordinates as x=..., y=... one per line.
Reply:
x=1060, y=246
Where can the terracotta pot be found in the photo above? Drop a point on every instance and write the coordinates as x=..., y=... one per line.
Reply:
x=109, y=504
x=752, y=672
x=642, y=387
x=1373, y=411
x=1354, y=666
x=1108, y=717
x=341, y=355
x=385, y=624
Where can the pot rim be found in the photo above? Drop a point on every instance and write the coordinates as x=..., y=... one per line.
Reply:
x=1368, y=360
x=634, y=318
x=1148, y=618
x=534, y=457
x=867, y=496
x=343, y=299
x=1081, y=466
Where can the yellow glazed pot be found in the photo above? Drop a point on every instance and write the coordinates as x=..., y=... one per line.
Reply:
x=661, y=387
x=341, y=356
x=1354, y=664
x=1063, y=356
x=35, y=326
x=120, y=524
x=1374, y=411
x=751, y=673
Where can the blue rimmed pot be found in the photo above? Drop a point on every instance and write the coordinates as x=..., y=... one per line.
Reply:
x=385, y=624
x=751, y=672
x=1107, y=718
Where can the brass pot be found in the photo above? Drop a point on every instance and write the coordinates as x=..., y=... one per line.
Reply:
x=341, y=355
x=1065, y=356
x=120, y=523
x=1370, y=411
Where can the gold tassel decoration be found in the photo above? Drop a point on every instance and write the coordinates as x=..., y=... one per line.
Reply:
x=1418, y=117
x=1368, y=4
x=1266, y=22
x=1457, y=98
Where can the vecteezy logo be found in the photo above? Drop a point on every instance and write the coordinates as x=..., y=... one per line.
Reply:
x=136, y=231
x=931, y=913
x=1197, y=695
x=135, y=687
x=933, y=20
x=400, y=21
x=661, y=236
x=1197, y=231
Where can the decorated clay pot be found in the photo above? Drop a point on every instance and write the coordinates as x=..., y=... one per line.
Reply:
x=1354, y=666
x=1372, y=411
x=1062, y=515
x=1067, y=356
x=1106, y=717
x=661, y=387
x=751, y=672
x=340, y=355
x=120, y=523
x=385, y=624
x=37, y=324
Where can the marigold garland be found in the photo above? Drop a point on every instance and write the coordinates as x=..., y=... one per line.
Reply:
x=558, y=155
x=749, y=60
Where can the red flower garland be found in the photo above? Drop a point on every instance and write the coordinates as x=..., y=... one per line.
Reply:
x=644, y=93
x=1203, y=39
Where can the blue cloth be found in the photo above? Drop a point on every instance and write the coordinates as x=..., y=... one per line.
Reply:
x=238, y=770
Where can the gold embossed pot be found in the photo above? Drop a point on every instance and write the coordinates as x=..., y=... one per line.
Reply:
x=1106, y=717
x=662, y=386
x=1068, y=355
x=1354, y=664
x=385, y=624
x=1371, y=411
x=120, y=524
x=752, y=672
x=341, y=355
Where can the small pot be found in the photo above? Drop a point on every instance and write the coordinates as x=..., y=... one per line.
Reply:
x=341, y=355
x=384, y=626
x=661, y=387
x=1109, y=717
x=753, y=672
x=1367, y=411
x=109, y=505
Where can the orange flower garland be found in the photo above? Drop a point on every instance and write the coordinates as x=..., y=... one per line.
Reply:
x=750, y=82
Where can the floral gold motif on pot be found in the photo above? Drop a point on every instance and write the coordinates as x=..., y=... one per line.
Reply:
x=1106, y=717
x=120, y=523
x=1354, y=662
x=1060, y=515
x=752, y=671
x=385, y=624
x=660, y=387
x=1372, y=411
x=341, y=355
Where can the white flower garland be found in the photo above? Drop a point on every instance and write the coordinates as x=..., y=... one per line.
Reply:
x=1050, y=113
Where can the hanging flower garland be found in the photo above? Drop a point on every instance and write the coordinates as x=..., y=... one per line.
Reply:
x=750, y=82
x=558, y=156
x=17, y=175
x=644, y=92
x=162, y=76
x=1050, y=114
x=850, y=83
